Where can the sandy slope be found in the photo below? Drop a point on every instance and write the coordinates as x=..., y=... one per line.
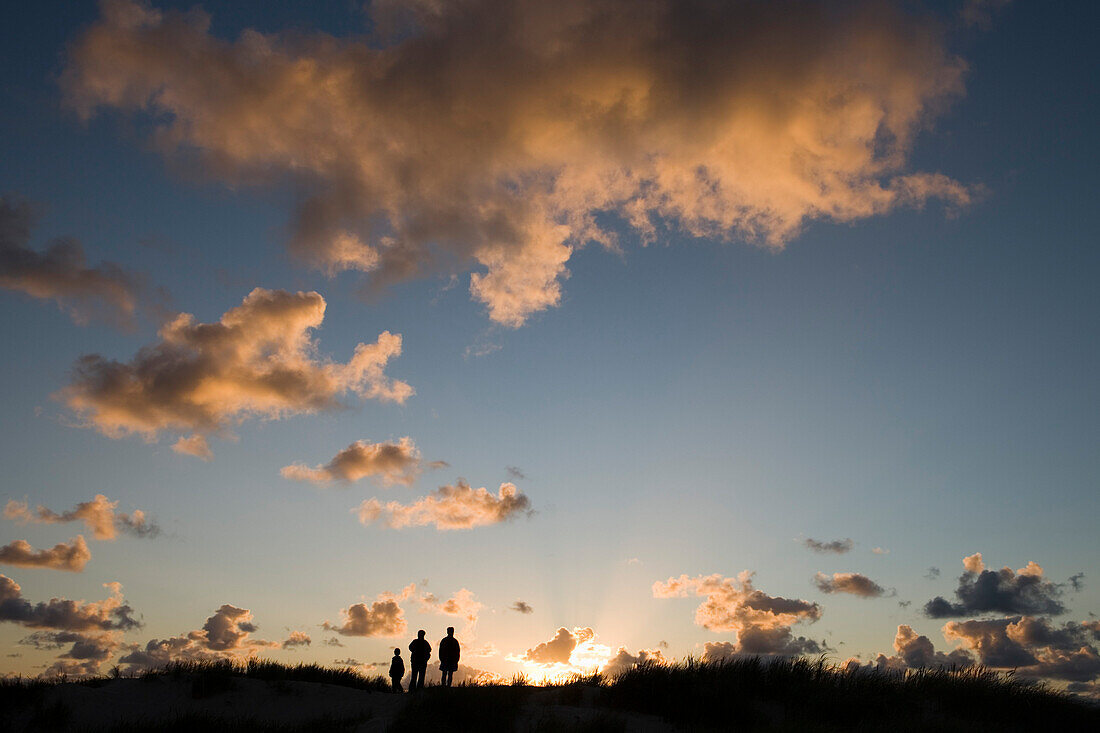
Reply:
x=289, y=703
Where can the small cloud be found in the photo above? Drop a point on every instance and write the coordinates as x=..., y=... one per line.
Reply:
x=1077, y=582
x=391, y=463
x=838, y=547
x=61, y=274
x=71, y=556
x=297, y=639
x=99, y=515
x=515, y=473
x=521, y=607
x=854, y=584
x=880, y=551
x=449, y=507
x=933, y=573
x=193, y=445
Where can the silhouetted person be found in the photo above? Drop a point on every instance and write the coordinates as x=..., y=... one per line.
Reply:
x=420, y=651
x=397, y=670
x=448, y=655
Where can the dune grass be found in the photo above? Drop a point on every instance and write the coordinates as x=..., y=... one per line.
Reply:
x=747, y=693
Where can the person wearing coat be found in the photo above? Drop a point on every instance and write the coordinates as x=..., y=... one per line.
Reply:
x=449, y=653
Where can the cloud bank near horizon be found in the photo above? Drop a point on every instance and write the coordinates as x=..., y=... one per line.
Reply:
x=729, y=121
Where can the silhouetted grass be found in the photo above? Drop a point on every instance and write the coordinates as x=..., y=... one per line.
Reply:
x=747, y=693
x=804, y=694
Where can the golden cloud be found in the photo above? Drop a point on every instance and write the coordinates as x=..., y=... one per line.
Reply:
x=497, y=133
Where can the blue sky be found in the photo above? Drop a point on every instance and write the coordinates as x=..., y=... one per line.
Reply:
x=922, y=380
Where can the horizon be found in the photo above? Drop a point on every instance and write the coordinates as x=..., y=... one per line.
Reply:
x=599, y=335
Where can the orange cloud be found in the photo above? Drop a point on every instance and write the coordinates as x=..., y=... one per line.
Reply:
x=193, y=445
x=71, y=556
x=855, y=584
x=727, y=120
x=383, y=617
x=392, y=463
x=762, y=622
x=98, y=515
x=258, y=360
x=449, y=507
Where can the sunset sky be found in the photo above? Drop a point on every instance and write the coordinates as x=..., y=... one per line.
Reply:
x=600, y=330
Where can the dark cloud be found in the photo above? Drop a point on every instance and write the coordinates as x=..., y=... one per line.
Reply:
x=61, y=274
x=981, y=590
x=297, y=639
x=450, y=507
x=725, y=120
x=855, y=584
x=515, y=473
x=1077, y=582
x=227, y=634
x=85, y=655
x=836, y=546
x=521, y=607
x=64, y=615
x=1033, y=646
x=98, y=515
x=258, y=361
x=933, y=573
x=71, y=556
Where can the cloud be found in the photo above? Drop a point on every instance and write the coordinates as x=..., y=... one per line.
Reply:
x=462, y=605
x=63, y=614
x=521, y=607
x=61, y=274
x=296, y=639
x=559, y=649
x=1025, y=591
x=449, y=507
x=194, y=445
x=762, y=622
x=855, y=584
x=85, y=655
x=383, y=617
x=516, y=473
x=835, y=546
x=391, y=463
x=227, y=634
x=258, y=360
x=98, y=515
x=880, y=551
x=71, y=556
x=1077, y=582
x=624, y=661
x=933, y=573
x=1032, y=646
x=496, y=135
x=980, y=12
x=916, y=651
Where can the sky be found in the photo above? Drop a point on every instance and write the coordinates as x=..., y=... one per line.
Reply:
x=599, y=333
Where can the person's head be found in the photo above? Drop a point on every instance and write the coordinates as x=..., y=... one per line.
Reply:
x=397, y=652
x=420, y=634
x=450, y=631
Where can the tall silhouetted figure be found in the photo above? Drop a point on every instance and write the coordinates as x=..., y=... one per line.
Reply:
x=420, y=651
x=448, y=655
x=397, y=671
